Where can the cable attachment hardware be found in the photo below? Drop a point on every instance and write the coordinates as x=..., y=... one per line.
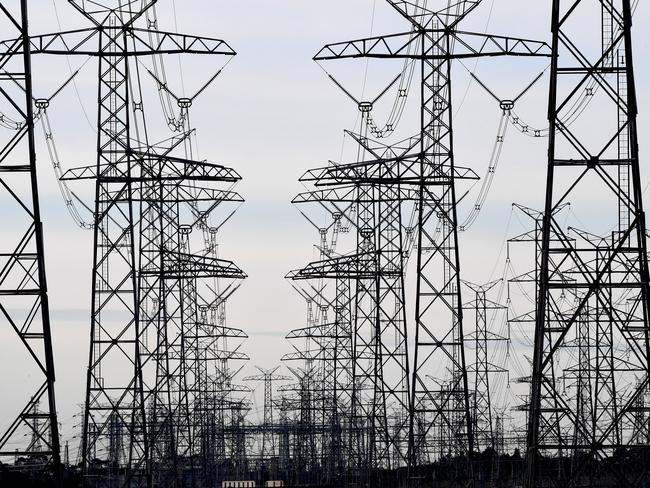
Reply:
x=507, y=105
x=42, y=103
x=365, y=107
x=184, y=102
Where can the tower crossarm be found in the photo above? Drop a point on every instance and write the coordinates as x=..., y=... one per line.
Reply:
x=342, y=194
x=302, y=356
x=185, y=193
x=323, y=331
x=177, y=265
x=359, y=266
x=145, y=42
x=406, y=45
x=401, y=170
x=380, y=150
x=349, y=194
x=228, y=355
x=169, y=168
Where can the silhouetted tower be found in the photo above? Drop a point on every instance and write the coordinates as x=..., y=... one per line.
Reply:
x=124, y=173
x=380, y=365
x=334, y=389
x=304, y=447
x=529, y=283
x=441, y=399
x=268, y=377
x=238, y=451
x=326, y=344
x=283, y=405
x=482, y=408
x=605, y=270
x=24, y=307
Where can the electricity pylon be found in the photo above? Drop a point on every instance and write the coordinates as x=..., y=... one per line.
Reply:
x=439, y=385
x=268, y=377
x=483, y=369
x=603, y=266
x=127, y=171
x=33, y=434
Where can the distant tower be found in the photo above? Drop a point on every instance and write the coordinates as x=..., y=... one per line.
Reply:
x=268, y=377
x=483, y=369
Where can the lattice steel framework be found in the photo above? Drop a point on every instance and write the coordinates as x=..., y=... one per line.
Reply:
x=268, y=377
x=604, y=270
x=195, y=354
x=332, y=340
x=32, y=437
x=127, y=172
x=325, y=348
x=439, y=386
x=371, y=343
x=483, y=369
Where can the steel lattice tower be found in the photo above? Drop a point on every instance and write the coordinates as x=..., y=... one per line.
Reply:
x=332, y=356
x=439, y=386
x=34, y=433
x=371, y=342
x=482, y=408
x=268, y=376
x=332, y=339
x=183, y=295
x=129, y=171
x=605, y=271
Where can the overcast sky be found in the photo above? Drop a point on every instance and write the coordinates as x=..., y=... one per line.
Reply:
x=272, y=114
